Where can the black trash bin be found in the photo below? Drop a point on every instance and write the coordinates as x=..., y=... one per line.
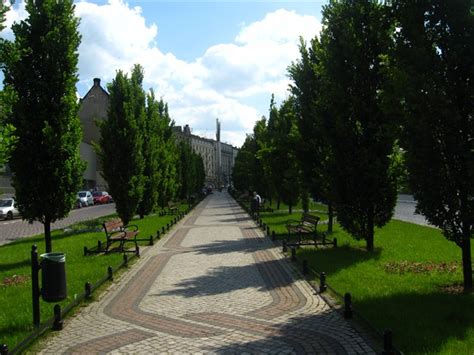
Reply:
x=53, y=275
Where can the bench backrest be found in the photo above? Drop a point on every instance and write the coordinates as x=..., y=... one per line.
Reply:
x=309, y=220
x=113, y=225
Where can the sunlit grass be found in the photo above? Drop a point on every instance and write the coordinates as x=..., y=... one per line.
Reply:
x=15, y=270
x=421, y=305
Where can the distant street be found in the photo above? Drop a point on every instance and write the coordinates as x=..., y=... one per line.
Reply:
x=405, y=211
x=15, y=229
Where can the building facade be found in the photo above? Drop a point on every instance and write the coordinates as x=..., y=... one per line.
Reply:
x=218, y=157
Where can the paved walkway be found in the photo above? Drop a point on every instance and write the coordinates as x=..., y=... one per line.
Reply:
x=214, y=285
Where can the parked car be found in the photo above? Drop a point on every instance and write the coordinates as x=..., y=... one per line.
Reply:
x=101, y=197
x=8, y=208
x=85, y=198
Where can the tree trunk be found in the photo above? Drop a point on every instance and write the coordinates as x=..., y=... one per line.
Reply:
x=370, y=229
x=466, y=261
x=330, y=217
x=278, y=203
x=47, y=235
x=290, y=208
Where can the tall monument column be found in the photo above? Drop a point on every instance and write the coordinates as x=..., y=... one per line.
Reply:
x=218, y=154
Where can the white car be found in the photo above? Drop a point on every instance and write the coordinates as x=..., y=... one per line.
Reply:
x=84, y=198
x=8, y=208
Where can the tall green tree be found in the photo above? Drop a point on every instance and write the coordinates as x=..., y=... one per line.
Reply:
x=191, y=171
x=355, y=36
x=42, y=74
x=121, y=142
x=313, y=150
x=284, y=137
x=248, y=173
x=433, y=71
x=167, y=157
x=151, y=130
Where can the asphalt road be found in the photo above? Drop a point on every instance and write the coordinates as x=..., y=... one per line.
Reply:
x=17, y=228
x=405, y=211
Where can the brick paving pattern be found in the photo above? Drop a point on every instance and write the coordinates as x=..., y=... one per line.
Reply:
x=213, y=285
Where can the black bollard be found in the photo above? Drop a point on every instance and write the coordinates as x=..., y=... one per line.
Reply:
x=387, y=343
x=99, y=246
x=293, y=254
x=157, y=234
x=151, y=240
x=137, y=251
x=110, y=272
x=88, y=290
x=268, y=230
x=347, y=306
x=284, y=248
x=163, y=230
x=322, y=282
x=58, y=322
x=125, y=259
x=305, y=267
x=167, y=226
x=273, y=236
x=85, y=251
x=35, y=290
x=335, y=242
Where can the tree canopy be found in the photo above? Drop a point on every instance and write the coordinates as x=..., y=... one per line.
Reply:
x=41, y=74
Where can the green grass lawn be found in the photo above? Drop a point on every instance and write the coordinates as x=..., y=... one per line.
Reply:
x=15, y=271
x=409, y=284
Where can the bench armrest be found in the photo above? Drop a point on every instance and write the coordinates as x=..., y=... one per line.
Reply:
x=134, y=226
x=292, y=223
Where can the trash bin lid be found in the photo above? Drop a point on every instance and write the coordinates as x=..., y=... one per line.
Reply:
x=56, y=257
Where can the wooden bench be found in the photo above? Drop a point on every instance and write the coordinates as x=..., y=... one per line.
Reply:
x=173, y=207
x=305, y=231
x=117, y=232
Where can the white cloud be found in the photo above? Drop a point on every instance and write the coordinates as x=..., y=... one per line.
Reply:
x=220, y=84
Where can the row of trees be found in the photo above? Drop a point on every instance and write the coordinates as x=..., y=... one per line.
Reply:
x=40, y=131
x=386, y=87
x=142, y=163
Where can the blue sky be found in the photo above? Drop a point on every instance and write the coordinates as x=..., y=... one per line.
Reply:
x=207, y=59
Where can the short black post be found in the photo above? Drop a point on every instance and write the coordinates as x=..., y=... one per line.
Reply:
x=260, y=222
x=284, y=248
x=293, y=254
x=322, y=282
x=3, y=349
x=125, y=259
x=58, y=322
x=157, y=234
x=163, y=230
x=85, y=251
x=305, y=267
x=167, y=226
x=335, y=242
x=88, y=289
x=387, y=342
x=347, y=306
x=110, y=272
x=151, y=240
x=268, y=230
x=137, y=251
x=99, y=246
x=273, y=236
x=35, y=290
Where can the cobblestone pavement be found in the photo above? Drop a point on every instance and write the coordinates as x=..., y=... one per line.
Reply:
x=213, y=285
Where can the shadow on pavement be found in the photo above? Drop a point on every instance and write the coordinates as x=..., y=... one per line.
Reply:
x=225, y=279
